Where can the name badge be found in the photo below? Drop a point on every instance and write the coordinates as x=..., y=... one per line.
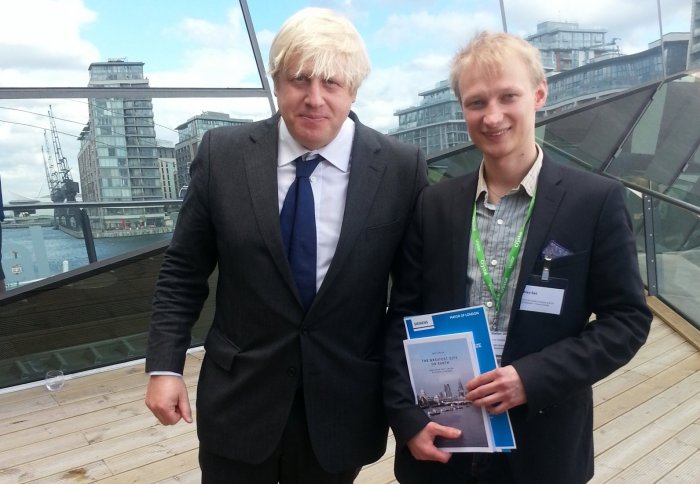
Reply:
x=498, y=341
x=543, y=295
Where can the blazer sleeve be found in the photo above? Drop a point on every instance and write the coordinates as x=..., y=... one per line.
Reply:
x=405, y=417
x=182, y=285
x=615, y=295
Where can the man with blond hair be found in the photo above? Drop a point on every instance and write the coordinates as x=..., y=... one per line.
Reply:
x=290, y=387
x=543, y=247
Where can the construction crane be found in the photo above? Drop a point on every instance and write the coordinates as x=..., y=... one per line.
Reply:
x=63, y=187
x=51, y=173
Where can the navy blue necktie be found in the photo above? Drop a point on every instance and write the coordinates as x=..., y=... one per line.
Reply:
x=298, y=222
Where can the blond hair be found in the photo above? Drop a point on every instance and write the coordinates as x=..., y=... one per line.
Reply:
x=325, y=42
x=490, y=52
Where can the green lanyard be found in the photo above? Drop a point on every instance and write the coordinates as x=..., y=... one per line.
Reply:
x=512, y=256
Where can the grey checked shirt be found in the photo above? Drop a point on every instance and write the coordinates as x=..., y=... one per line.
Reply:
x=498, y=226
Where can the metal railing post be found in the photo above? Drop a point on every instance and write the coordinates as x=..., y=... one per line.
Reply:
x=650, y=245
x=87, y=236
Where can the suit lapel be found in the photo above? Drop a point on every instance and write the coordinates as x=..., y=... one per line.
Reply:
x=548, y=198
x=366, y=170
x=261, y=170
x=461, y=207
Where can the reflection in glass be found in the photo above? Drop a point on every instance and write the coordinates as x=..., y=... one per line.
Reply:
x=589, y=137
x=678, y=257
x=665, y=140
x=85, y=319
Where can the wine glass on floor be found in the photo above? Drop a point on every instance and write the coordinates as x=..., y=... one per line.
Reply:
x=54, y=380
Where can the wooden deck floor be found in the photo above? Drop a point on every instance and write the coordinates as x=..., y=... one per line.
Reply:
x=647, y=426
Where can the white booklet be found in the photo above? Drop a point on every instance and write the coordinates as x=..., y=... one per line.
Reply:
x=457, y=323
x=439, y=366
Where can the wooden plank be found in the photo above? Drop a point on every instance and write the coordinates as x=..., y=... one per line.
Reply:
x=142, y=456
x=675, y=321
x=382, y=471
x=13, y=413
x=686, y=472
x=615, y=386
x=27, y=394
x=670, y=400
x=657, y=331
x=605, y=390
x=106, y=416
x=65, y=461
x=190, y=477
x=157, y=470
x=643, y=392
x=30, y=415
x=43, y=449
x=648, y=439
x=91, y=472
x=654, y=349
x=82, y=407
x=603, y=474
x=120, y=427
x=99, y=384
x=672, y=453
x=666, y=360
x=76, y=382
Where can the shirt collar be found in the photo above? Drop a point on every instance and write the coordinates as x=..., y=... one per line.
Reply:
x=337, y=152
x=529, y=183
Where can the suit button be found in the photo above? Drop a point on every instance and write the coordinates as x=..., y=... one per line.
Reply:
x=291, y=371
x=304, y=331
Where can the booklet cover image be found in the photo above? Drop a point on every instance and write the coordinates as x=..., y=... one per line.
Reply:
x=439, y=366
x=471, y=320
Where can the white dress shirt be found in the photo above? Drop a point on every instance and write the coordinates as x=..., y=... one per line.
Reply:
x=329, y=183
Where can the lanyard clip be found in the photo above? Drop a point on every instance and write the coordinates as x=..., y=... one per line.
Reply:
x=546, y=266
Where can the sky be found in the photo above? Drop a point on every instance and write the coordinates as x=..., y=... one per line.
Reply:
x=204, y=44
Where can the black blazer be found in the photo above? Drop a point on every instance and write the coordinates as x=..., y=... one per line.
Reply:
x=262, y=346
x=558, y=357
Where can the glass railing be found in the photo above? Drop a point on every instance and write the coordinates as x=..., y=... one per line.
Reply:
x=44, y=240
x=78, y=291
x=86, y=318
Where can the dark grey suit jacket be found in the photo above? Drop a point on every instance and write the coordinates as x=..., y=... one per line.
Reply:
x=262, y=346
x=558, y=357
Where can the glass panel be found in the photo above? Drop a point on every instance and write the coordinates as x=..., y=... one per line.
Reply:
x=666, y=137
x=687, y=185
x=678, y=258
x=590, y=137
x=158, y=43
x=93, y=318
x=683, y=139
x=635, y=207
x=37, y=246
x=453, y=165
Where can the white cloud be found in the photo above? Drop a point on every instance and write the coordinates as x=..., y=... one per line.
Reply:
x=392, y=88
x=44, y=34
x=442, y=29
x=635, y=23
x=22, y=139
x=217, y=54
